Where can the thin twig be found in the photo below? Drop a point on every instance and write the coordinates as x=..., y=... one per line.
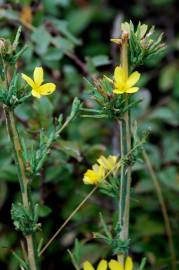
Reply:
x=76, y=210
x=68, y=219
x=163, y=208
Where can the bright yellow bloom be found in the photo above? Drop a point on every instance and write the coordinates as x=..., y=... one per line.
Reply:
x=123, y=83
x=101, y=266
x=110, y=163
x=115, y=265
x=101, y=169
x=94, y=176
x=39, y=89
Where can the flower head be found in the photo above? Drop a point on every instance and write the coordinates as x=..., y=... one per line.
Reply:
x=123, y=83
x=113, y=265
x=39, y=89
x=101, y=169
x=101, y=266
x=94, y=176
x=110, y=163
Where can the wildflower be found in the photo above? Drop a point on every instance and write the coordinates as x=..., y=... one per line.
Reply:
x=123, y=83
x=94, y=176
x=39, y=89
x=101, y=266
x=115, y=265
x=110, y=163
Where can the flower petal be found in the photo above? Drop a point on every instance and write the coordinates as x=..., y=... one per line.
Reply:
x=36, y=94
x=118, y=92
x=129, y=263
x=38, y=76
x=87, y=266
x=132, y=90
x=47, y=89
x=115, y=265
x=120, y=75
x=102, y=265
x=28, y=80
x=133, y=79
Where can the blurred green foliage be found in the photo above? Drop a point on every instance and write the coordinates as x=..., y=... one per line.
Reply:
x=71, y=40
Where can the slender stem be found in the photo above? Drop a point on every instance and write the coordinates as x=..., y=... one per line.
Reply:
x=68, y=219
x=23, y=179
x=125, y=146
x=76, y=210
x=163, y=208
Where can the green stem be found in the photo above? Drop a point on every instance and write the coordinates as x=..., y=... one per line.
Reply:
x=23, y=179
x=125, y=146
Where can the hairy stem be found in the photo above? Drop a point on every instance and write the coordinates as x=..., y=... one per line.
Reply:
x=23, y=179
x=125, y=146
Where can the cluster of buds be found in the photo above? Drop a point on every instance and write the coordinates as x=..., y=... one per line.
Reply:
x=144, y=44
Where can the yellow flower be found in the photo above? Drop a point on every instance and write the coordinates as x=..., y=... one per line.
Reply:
x=39, y=89
x=101, y=266
x=115, y=265
x=110, y=163
x=123, y=83
x=94, y=176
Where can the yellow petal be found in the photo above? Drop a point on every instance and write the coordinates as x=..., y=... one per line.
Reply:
x=118, y=91
x=115, y=265
x=87, y=266
x=35, y=94
x=47, y=89
x=89, y=177
x=38, y=76
x=28, y=80
x=129, y=263
x=133, y=79
x=132, y=90
x=120, y=75
x=103, y=162
x=102, y=265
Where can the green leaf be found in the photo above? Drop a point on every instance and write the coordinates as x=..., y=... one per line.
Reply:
x=63, y=44
x=53, y=54
x=167, y=77
x=44, y=210
x=62, y=26
x=100, y=60
x=79, y=19
x=168, y=176
x=42, y=39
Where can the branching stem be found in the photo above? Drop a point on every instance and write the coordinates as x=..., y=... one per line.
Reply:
x=24, y=181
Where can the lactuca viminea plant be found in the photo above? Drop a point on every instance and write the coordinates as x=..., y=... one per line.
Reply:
x=115, y=98
x=15, y=90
